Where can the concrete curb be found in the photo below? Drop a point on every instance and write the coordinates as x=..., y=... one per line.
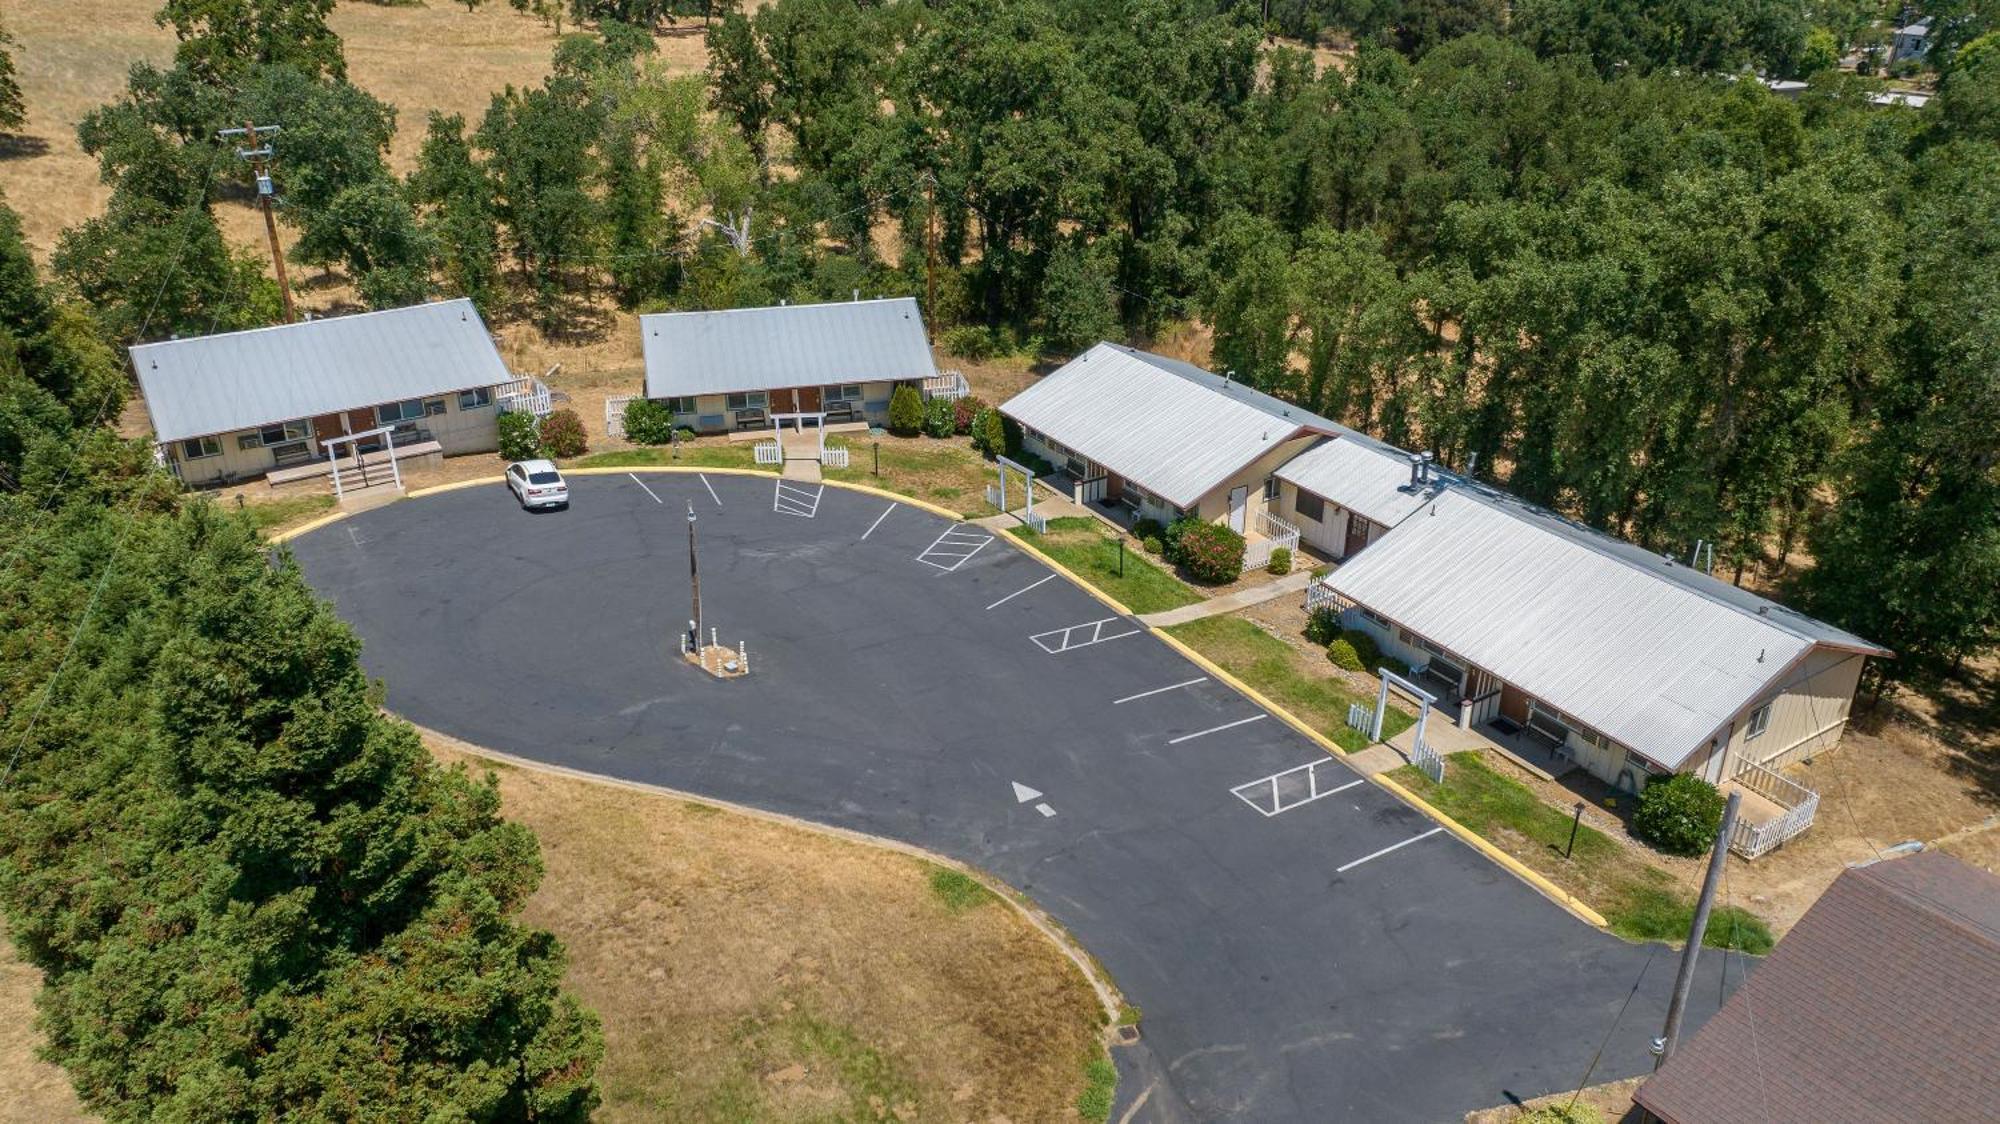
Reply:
x=309, y=525
x=1513, y=865
x=1100, y=983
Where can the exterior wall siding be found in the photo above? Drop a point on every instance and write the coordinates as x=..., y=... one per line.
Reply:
x=456, y=432
x=1809, y=712
x=1214, y=506
x=713, y=415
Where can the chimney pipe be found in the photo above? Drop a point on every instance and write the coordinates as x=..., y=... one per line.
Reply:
x=1416, y=470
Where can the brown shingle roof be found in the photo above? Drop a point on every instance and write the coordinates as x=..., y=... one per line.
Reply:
x=1882, y=1004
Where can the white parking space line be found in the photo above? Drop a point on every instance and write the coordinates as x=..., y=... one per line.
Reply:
x=954, y=548
x=1288, y=788
x=1217, y=729
x=642, y=484
x=1059, y=640
x=710, y=487
x=1018, y=593
x=790, y=499
x=878, y=520
x=1045, y=810
x=1158, y=691
x=1386, y=850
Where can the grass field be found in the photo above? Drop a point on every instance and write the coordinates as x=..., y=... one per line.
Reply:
x=697, y=455
x=1284, y=675
x=948, y=472
x=281, y=513
x=1091, y=551
x=752, y=970
x=1640, y=900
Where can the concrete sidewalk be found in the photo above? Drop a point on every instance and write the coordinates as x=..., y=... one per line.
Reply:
x=1294, y=582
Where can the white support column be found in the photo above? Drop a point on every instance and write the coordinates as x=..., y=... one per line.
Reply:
x=333, y=459
x=395, y=470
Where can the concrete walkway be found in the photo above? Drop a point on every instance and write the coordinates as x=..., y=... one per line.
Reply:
x=1294, y=582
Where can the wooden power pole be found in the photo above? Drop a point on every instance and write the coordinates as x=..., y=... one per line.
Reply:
x=1663, y=1048
x=259, y=157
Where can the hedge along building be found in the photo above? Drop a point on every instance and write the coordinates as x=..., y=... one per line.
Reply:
x=733, y=368
x=1146, y=437
x=1552, y=636
x=245, y=404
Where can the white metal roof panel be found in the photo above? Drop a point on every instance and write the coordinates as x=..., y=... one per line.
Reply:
x=1649, y=662
x=1169, y=427
x=742, y=349
x=240, y=380
x=1360, y=475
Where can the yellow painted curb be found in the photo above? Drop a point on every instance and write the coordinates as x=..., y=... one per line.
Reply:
x=1518, y=868
x=1065, y=571
x=334, y=516
x=899, y=497
x=614, y=470
x=1254, y=695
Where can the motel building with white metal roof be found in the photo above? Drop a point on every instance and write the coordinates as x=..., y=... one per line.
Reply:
x=283, y=402
x=1547, y=641
x=733, y=369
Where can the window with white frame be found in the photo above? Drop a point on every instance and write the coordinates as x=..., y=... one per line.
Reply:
x=475, y=398
x=846, y=392
x=753, y=400
x=1760, y=720
x=1309, y=506
x=195, y=448
x=281, y=434
x=1270, y=489
x=413, y=409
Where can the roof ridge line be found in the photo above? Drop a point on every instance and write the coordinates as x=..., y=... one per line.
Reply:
x=1927, y=903
x=309, y=322
x=774, y=307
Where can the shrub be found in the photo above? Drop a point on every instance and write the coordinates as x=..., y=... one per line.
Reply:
x=989, y=436
x=1343, y=655
x=1281, y=560
x=1147, y=529
x=1365, y=646
x=562, y=434
x=1211, y=552
x=648, y=422
x=964, y=410
x=968, y=341
x=906, y=412
x=520, y=437
x=1172, y=536
x=940, y=416
x=1678, y=815
x=1011, y=440
x=1322, y=625
x=1152, y=544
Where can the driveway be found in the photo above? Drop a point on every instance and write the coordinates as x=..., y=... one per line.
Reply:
x=913, y=677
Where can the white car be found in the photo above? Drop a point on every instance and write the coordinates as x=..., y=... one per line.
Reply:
x=537, y=484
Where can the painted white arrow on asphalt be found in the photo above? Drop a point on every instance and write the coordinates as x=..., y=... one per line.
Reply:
x=1023, y=793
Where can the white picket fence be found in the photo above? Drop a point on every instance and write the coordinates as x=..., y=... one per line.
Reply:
x=614, y=414
x=1273, y=533
x=834, y=456
x=525, y=396
x=1752, y=840
x=949, y=384
x=769, y=452
x=1427, y=759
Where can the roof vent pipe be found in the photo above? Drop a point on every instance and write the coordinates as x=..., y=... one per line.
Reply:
x=1472, y=463
x=1416, y=470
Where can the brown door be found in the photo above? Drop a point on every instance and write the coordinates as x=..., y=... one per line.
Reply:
x=1514, y=703
x=1357, y=535
x=808, y=399
x=1114, y=487
x=326, y=427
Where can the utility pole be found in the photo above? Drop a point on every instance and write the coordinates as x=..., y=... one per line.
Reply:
x=1663, y=1046
x=259, y=155
x=930, y=246
x=694, y=579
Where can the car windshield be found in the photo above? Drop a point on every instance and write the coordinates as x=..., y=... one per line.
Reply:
x=544, y=478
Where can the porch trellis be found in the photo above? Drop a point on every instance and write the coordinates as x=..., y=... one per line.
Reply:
x=1421, y=753
x=997, y=496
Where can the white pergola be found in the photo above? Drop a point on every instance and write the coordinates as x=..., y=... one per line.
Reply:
x=331, y=445
x=798, y=421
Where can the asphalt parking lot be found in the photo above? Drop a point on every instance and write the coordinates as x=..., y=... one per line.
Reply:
x=912, y=677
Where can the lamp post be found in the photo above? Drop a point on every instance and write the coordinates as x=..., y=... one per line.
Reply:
x=694, y=580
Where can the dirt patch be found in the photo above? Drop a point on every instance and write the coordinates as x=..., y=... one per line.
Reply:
x=32, y=1091
x=1611, y=1102
x=747, y=969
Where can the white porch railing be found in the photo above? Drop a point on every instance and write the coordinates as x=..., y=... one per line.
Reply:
x=1272, y=533
x=1752, y=840
x=949, y=384
x=769, y=452
x=614, y=414
x=525, y=396
x=834, y=456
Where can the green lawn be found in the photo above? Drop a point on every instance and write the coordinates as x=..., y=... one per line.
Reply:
x=1640, y=900
x=1090, y=550
x=274, y=515
x=946, y=471
x=1293, y=680
x=696, y=455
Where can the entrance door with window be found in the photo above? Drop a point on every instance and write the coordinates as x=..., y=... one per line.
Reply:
x=1357, y=535
x=1239, y=499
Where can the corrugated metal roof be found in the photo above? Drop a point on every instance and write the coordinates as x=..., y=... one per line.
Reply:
x=740, y=349
x=240, y=380
x=1167, y=426
x=1360, y=475
x=1644, y=659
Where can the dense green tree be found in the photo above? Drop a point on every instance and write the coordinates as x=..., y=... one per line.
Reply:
x=221, y=40
x=13, y=108
x=457, y=204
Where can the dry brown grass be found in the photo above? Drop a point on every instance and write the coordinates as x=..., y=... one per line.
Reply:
x=31, y=1090
x=752, y=969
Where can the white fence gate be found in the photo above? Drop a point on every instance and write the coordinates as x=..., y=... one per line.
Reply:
x=614, y=414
